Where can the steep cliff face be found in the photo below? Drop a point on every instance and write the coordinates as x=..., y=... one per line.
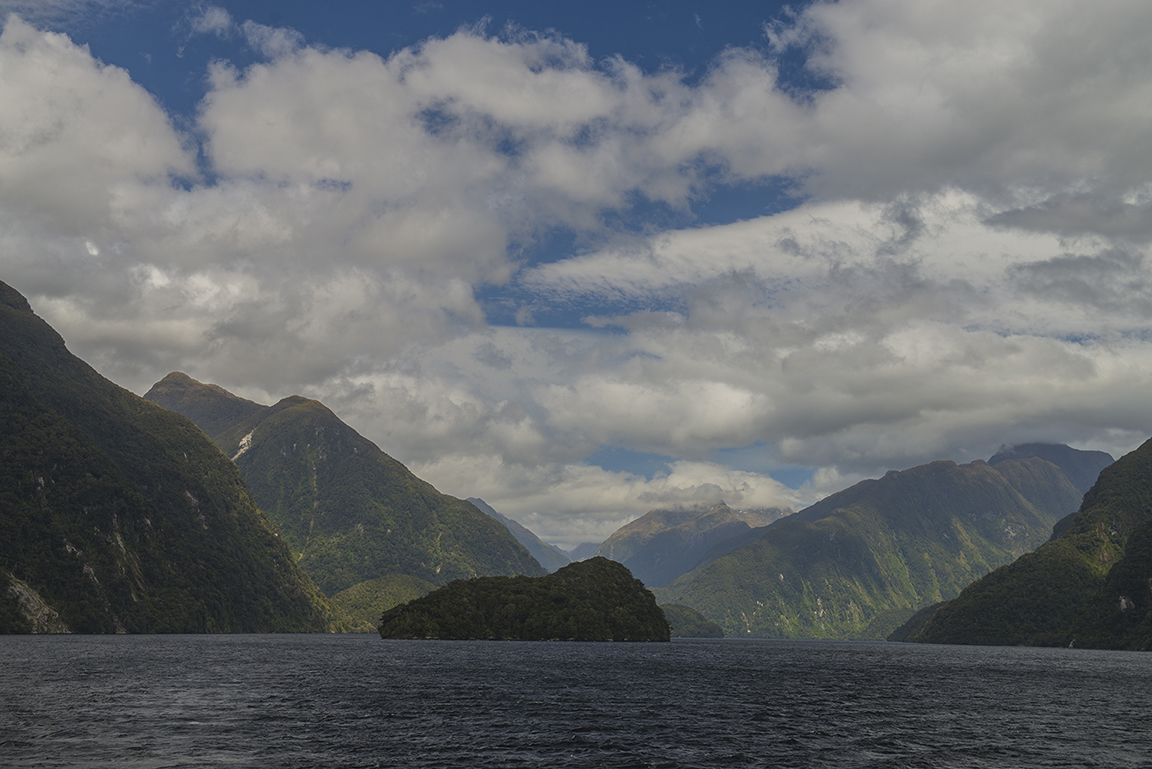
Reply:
x=119, y=516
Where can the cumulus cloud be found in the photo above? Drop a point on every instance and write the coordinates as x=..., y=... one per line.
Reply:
x=573, y=503
x=966, y=264
x=79, y=137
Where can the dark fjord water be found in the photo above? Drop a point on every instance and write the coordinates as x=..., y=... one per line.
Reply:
x=358, y=701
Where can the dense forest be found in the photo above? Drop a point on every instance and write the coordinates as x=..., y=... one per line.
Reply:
x=119, y=516
x=593, y=600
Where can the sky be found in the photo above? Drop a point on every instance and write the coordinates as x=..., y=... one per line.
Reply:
x=586, y=260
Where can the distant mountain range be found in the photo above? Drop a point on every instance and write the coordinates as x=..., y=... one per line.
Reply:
x=662, y=544
x=549, y=556
x=860, y=562
x=584, y=551
x=119, y=516
x=1090, y=586
x=350, y=513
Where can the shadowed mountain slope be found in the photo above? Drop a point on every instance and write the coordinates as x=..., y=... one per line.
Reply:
x=119, y=516
x=584, y=551
x=666, y=542
x=1081, y=467
x=210, y=407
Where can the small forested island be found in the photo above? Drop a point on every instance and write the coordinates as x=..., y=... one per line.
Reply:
x=593, y=600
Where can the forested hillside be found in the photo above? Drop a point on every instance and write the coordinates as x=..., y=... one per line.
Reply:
x=119, y=516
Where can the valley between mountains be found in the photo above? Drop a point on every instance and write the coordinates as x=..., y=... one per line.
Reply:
x=194, y=510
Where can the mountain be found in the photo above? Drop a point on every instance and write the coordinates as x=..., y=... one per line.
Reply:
x=349, y=512
x=119, y=516
x=593, y=600
x=689, y=623
x=584, y=551
x=630, y=537
x=667, y=543
x=366, y=601
x=1081, y=467
x=859, y=562
x=210, y=407
x=549, y=556
x=1089, y=586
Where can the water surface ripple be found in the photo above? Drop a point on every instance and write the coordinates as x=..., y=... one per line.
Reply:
x=358, y=701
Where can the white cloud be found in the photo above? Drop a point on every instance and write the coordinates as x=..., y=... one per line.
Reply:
x=273, y=42
x=574, y=503
x=213, y=20
x=969, y=266
x=77, y=136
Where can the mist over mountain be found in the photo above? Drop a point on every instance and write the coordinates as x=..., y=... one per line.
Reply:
x=119, y=516
x=861, y=561
x=350, y=512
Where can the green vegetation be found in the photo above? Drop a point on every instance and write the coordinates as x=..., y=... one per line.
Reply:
x=119, y=516
x=860, y=562
x=686, y=622
x=593, y=600
x=350, y=512
x=1088, y=587
x=365, y=602
x=914, y=624
x=210, y=407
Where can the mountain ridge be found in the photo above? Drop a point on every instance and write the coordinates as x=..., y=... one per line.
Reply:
x=548, y=556
x=350, y=512
x=861, y=561
x=1088, y=586
x=119, y=516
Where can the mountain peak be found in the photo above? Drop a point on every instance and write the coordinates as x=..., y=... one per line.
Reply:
x=351, y=514
x=1081, y=467
x=212, y=408
x=10, y=297
x=125, y=517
